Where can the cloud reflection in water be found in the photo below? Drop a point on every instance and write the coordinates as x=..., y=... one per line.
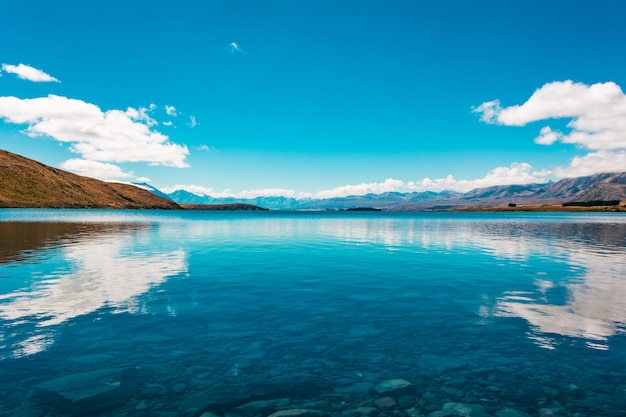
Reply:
x=96, y=268
x=587, y=297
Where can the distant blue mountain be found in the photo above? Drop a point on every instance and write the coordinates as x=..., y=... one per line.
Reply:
x=272, y=203
x=383, y=200
x=598, y=187
x=153, y=190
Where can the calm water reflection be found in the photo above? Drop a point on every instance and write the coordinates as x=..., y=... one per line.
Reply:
x=471, y=308
x=71, y=270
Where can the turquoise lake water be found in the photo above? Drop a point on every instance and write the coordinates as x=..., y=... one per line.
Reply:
x=235, y=314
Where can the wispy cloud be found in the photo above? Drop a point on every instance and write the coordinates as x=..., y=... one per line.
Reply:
x=171, y=111
x=598, y=122
x=26, y=72
x=235, y=49
x=192, y=122
x=141, y=115
x=98, y=136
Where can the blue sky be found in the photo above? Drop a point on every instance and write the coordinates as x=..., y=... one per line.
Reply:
x=315, y=98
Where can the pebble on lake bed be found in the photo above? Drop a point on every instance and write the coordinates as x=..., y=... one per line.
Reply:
x=297, y=412
x=385, y=403
x=393, y=388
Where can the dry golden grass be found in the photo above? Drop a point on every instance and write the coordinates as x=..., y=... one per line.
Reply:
x=25, y=183
x=547, y=208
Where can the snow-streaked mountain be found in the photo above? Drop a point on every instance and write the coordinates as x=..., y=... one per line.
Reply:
x=272, y=203
x=608, y=186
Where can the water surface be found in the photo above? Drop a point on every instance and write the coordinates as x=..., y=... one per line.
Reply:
x=154, y=313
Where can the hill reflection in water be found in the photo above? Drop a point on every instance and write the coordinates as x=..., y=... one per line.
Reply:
x=73, y=269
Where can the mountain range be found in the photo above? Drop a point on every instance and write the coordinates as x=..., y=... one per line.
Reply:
x=27, y=183
x=598, y=187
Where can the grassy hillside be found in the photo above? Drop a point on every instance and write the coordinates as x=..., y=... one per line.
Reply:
x=25, y=183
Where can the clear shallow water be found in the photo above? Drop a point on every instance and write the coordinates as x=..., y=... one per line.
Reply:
x=152, y=313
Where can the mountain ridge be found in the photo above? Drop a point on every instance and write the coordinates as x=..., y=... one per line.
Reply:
x=26, y=183
x=604, y=186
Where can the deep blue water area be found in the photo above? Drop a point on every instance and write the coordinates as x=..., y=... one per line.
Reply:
x=245, y=314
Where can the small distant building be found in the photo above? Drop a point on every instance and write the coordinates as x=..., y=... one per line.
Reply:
x=512, y=205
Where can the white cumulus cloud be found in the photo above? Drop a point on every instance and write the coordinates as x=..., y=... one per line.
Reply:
x=266, y=192
x=207, y=191
x=388, y=185
x=103, y=136
x=26, y=72
x=516, y=173
x=547, y=136
x=194, y=189
x=593, y=163
x=597, y=114
x=94, y=169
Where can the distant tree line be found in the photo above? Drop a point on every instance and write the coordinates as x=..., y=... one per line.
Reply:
x=592, y=203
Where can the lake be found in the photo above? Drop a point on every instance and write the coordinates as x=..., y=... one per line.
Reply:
x=190, y=313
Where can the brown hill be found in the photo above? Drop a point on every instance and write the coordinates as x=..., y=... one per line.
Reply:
x=25, y=183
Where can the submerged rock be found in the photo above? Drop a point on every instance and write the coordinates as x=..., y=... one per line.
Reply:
x=440, y=363
x=222, y=398
x=297, y=412
x=90, y=392
x=28, y=412
x=385, y=403
x=406, y=401
x=153, y=390
x=393, y=388
x=511, y=412
x=256, y=408
x=361, y=411
x=208, y=414
x=460, y=410
x=413, y=412
x=357, y=390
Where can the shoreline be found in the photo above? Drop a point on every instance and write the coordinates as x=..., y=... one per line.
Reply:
x=449, y=209
x=545, y=208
